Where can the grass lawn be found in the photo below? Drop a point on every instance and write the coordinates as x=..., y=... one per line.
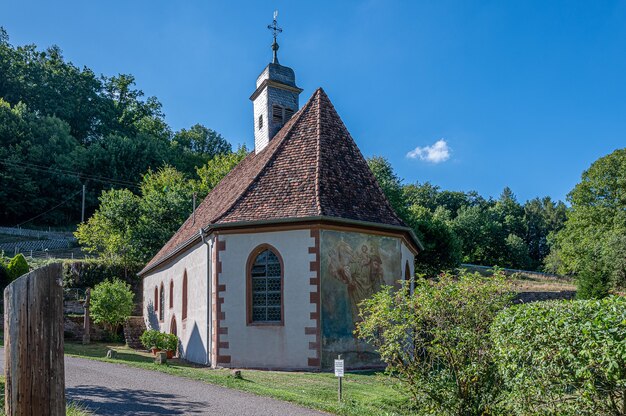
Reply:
x=364, y=393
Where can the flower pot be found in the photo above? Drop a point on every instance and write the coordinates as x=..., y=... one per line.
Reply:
x=170, y=354
x=155, y=350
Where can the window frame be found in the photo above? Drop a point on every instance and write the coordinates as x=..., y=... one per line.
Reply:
x=251, y=259
x=172, y=294
x=185, y=287
x=162, y=303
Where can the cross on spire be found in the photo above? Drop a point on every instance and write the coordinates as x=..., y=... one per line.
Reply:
x=275, y=31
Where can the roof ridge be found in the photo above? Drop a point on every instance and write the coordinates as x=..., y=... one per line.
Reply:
x=372, y=177
x=318, y=153
x=281, y=140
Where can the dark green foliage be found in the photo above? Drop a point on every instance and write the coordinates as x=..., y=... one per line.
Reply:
x=465, y=227
x=88, y=273
x=563, y=357
x=4, y=275
x=17, y=267
x=442, y=249
x=62, y=126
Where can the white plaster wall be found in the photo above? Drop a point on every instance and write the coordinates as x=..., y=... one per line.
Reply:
x=284, y=346
x=193, y=331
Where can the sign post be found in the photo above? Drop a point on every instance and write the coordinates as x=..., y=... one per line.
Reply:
x=339, y=373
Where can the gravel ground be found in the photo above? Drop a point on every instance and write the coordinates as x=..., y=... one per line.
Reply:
x=115, y=389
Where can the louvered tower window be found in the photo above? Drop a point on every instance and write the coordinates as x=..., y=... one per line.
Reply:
x=266, y=293
x=277, y=114
x=288, y=114
x=260, y=121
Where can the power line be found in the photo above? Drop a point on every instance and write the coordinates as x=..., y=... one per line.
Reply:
x=79, y=175
x=51, y=209
x=70, y=172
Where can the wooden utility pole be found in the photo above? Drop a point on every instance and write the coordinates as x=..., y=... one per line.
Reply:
x=82, y=217
x=86, y=322
x=33, y=344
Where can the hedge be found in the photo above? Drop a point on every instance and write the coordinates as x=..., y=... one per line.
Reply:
x=563, y=357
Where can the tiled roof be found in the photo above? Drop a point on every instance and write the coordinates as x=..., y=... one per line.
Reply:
x=311, y=168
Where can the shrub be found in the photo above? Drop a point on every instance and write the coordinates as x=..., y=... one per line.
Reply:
x=17, y=267
x=150, y=338
x=168, y=342
x=563, y=357
x=111, y=303
x=435, y=341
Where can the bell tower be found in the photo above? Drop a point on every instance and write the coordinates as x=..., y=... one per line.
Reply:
x=276, y=98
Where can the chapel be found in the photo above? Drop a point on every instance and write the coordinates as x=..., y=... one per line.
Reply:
x=269, y=269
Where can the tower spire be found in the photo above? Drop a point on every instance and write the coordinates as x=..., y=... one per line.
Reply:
x=275, y=31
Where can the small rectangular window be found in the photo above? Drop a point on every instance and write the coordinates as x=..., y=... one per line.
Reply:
x=260, y=121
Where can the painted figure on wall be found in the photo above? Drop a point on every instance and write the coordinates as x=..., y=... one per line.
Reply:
x=354, y=267
x=362, y=272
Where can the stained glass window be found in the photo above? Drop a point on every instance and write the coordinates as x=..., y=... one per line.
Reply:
x=266, y=288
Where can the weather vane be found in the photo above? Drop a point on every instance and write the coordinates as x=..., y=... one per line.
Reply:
x=275, y=31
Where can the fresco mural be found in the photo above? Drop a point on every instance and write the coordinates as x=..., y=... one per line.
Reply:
x=354, y=266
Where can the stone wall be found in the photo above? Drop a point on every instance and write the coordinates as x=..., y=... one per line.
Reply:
x=133, y=329
x=73, y=329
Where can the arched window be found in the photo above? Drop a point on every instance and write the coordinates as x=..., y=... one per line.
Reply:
x=156, y=298
x=184, y=296
x=161, y=303
x=265, y=286
x=407, y=272
x=171, y=294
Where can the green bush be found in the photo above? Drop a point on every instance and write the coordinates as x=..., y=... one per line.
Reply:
x=17, y=267
x=153, y=338
x=435, y=341
x=168, y=342
x=150, y=338
x=111, y=303
x=563, y=357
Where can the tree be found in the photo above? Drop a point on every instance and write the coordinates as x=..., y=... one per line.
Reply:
x=111, y=303
x=592, y=243
x=390, y=183
x=435, y=341
x=216, y=169
x=442, y=249
x=130, y=228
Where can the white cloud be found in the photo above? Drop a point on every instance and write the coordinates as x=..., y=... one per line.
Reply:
x=437, y=153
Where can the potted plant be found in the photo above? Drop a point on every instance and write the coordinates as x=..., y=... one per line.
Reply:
x=151, y=340
x=169, y=343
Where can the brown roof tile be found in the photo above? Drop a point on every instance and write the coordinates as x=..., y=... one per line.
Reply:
x=311, y=168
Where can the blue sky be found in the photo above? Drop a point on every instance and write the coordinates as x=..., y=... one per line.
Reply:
x=523, y=94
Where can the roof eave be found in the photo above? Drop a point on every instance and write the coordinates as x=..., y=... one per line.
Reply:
x=312, y=219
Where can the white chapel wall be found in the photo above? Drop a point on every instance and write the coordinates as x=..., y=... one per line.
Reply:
x=193, y=331
x=284, y=346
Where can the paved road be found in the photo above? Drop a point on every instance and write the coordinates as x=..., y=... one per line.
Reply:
x=115, y=389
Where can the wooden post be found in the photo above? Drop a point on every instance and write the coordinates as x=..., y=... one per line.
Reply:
x=86, y=322
x=33, y=344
